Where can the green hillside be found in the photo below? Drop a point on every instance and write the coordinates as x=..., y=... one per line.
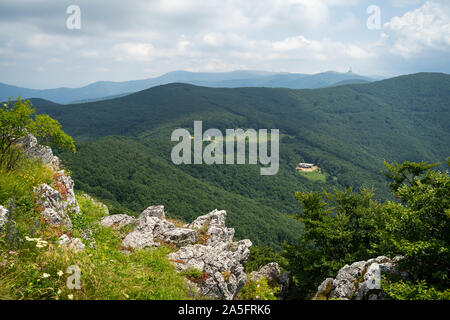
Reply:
x=347, y=130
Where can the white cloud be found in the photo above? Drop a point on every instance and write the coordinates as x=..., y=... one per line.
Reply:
x=150, y=38
x=133, y=51
x=405, y=3
x=427, y=27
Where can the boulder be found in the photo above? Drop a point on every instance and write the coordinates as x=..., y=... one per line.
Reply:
x=179, y=237
x=223, y=274
x=138, y=240
x=154, y=225
x=117, y=220
x=65, y=185
x=147, y=231
x=153, y=211
x=54, y=208
x=272, y=273
x=57, y=202
x=360, y=280
x=71, y=243
x=214, y=224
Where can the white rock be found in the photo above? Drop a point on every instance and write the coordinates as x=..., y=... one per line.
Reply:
x=215, y=261
x=153, y=211
x=360, y=280
x=215, y=224
x=66, y=184
x=54, y=207
x=219, y=259
x=138, y=240
x=34, y=150
x=117, y=220
x=179, y=236
x=71, y=243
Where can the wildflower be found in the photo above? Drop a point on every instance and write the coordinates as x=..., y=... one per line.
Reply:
x=70, y=296
x=45, y=275
x=39, y=242
x=60, y=273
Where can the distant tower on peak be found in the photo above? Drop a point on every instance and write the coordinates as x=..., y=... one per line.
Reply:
x=350, y=70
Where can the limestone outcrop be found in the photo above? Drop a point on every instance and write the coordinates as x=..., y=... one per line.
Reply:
x=360, y=280
x=219, y=258
x=206, y=245
x=33, y=149
x=117, y=221
x=56, y=202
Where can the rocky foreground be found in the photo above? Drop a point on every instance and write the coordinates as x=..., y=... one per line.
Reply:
x=206, y=245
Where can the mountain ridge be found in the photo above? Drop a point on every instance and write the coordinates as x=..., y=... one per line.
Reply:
x=239, y=78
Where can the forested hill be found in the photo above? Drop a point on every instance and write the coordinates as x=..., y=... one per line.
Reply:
x=347, y=130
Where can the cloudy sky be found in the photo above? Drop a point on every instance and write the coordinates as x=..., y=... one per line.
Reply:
x=136, y=39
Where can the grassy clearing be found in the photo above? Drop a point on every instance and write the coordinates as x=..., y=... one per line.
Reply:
x=314, y=176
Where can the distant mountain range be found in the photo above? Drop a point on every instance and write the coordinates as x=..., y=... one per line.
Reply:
x=102, y=90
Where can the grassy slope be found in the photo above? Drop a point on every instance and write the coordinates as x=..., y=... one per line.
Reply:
x=29, y=272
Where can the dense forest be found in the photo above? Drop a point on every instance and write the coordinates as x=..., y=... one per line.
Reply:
x=348, y=131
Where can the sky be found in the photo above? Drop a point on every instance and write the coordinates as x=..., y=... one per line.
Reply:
x=138, y=39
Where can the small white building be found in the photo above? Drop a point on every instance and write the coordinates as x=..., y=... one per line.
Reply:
x=305, y=165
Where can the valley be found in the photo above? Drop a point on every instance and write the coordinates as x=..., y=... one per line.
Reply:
x=124, y=145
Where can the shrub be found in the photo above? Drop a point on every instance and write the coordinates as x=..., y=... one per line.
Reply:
x=258, y=290
x=17, y=120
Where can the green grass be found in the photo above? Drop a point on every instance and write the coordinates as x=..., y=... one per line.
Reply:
x=314, y=176
x=18, y=183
